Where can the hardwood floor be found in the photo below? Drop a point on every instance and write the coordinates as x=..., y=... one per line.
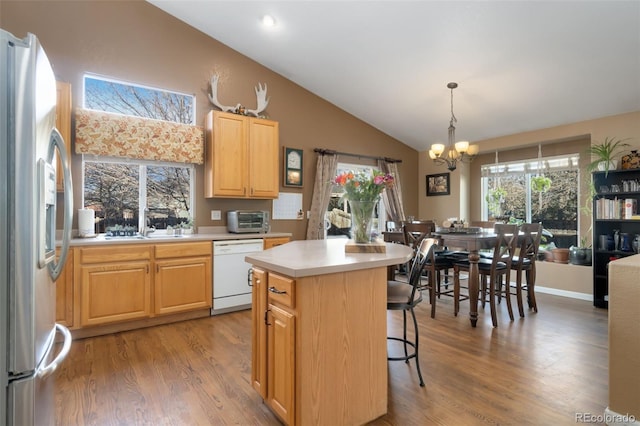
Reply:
x=539, y=370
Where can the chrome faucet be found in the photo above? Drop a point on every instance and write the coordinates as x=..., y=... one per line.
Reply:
x=146, y=224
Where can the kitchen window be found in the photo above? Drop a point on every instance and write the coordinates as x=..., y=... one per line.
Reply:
x=119, y=189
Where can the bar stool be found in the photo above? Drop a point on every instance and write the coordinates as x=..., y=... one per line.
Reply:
x=405, y=296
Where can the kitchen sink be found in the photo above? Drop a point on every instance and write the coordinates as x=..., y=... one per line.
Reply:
x=140, y=237
x=124, y=238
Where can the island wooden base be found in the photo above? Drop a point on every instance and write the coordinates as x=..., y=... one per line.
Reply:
x=340, y=350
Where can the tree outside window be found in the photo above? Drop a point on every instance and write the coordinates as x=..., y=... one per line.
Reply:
x=556, y=207
x=119, y=189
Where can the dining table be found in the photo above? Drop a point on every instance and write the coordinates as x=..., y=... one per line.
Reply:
x=471, y=241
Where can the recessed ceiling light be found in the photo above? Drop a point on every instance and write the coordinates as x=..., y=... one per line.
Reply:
x=268, y=21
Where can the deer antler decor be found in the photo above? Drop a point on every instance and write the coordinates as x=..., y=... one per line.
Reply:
x=261, y=96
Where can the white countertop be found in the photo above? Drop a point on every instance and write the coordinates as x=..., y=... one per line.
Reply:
x=318, y=257
x=160, y=238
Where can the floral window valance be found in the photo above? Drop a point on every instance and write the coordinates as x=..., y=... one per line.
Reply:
x=102, y=133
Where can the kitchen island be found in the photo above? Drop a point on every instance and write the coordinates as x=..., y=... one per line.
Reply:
x=319, y=353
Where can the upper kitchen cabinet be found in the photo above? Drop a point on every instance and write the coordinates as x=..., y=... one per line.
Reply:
x=241, y=157
x=63, y=124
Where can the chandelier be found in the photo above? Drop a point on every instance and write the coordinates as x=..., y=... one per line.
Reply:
x=454, y=151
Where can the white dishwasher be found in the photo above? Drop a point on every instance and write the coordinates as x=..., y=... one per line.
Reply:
x=231, y=280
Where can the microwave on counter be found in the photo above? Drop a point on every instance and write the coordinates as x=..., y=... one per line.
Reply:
x=247, y=221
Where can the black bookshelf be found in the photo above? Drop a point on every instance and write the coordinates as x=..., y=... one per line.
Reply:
x=610, y=213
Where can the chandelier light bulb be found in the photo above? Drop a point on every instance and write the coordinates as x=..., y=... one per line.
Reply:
x=462, y=146
x=437, y=149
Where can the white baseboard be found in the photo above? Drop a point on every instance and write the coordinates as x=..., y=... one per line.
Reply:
x=564, y=293
x=611, y=418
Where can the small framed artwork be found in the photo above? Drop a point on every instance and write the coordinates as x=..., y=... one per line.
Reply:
x=438, y=184
x=293, y=167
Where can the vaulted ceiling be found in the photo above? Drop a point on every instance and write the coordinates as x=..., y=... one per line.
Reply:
x=520, y=65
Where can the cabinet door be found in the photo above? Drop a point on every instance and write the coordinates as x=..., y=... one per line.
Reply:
x=115, y=292
x=182, y=285
x=263, y=158
x=63, y=124
x=276, y=241
x=226, y=171
x=281, y=371
x=64, y=293
x=259, y=332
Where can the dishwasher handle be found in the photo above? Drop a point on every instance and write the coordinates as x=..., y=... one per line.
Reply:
x=249, y=276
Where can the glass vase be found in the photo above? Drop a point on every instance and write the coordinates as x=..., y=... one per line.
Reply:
x=361, y=220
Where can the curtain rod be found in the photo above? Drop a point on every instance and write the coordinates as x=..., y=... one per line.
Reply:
x=330, y=151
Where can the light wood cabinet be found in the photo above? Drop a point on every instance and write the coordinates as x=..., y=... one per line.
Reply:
x=63, y=124
x=281, y=356
x=274, y=342
x=275, y=241
x=300, y=364
x=259, y=332
x=115, y=283
x=64, y=293
x=118, y=283
x=241, y=156
x=182, y=277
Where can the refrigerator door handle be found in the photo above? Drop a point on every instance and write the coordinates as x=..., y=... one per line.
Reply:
x=55, y=268
x=66, y=346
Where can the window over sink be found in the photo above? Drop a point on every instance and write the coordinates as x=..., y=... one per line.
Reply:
x=118, y=189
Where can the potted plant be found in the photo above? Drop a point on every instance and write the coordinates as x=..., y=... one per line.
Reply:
x=540, y=183
x=187, y=227
x=581, y=255
x=606, y=154
x=495, y=198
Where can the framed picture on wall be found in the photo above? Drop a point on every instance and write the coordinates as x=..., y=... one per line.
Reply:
x=438, y=184
x=293, y=167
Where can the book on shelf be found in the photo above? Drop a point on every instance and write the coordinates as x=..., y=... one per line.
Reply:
x=617, y=208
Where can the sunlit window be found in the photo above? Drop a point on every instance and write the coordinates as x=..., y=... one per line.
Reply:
x=119, y=190
x=537, y=190
x=338, y=216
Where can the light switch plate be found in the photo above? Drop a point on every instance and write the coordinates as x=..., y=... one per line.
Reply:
x=216, y=215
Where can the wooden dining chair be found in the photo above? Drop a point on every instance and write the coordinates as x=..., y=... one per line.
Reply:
x=492, y=271
x=416, y=231
x=525, y=263
x=405, y=296
x=433, y=268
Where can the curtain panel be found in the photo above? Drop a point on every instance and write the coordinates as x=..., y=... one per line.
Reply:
x=114, y=135
x=326, y=166
x=392, y=197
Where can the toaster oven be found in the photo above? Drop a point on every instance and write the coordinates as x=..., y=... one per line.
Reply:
x=247, y=221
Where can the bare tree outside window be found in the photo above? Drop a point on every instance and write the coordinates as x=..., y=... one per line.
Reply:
x=114, y=189
x=556, y=207
x=138, y=101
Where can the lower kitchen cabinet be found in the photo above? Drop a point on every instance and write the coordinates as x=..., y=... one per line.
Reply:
x=259, y=332
x=274, y=342
x=281, y=362
x=182, y=277
x=114, y=283
x=115, y=293
x=275, y=241
x=64, y=293
x=119, y=283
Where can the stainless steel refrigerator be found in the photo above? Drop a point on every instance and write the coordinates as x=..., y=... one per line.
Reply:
x=29, y=144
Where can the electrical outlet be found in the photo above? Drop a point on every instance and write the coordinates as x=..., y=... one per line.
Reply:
x=216, y=215
x=308, y=214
